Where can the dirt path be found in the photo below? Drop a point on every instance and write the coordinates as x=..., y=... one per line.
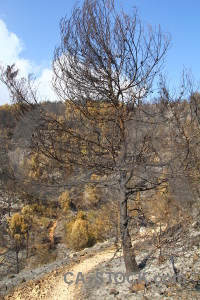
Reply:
x=71, y=292
x=52, y=231
x=52, y=285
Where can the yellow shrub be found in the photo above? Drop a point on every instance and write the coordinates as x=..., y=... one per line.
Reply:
x=80, y=233
x=17, y=228
x=86, y=229
x=78, y=236
x=45, y=222
x=64, y=201
x=81, y=215
x=91, y=196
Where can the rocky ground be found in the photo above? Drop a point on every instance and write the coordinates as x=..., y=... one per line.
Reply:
x=155, y=280
x=39, y=279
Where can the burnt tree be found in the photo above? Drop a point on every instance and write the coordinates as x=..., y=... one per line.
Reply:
x=104, y=68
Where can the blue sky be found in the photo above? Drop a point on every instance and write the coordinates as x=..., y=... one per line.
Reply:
x=29, y=32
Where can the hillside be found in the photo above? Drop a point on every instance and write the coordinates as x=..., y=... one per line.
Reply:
x=159, y=282
x=50, y=208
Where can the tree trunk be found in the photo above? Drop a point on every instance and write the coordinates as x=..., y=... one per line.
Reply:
x=17, y=261
x=129, y=257
x=116, y=234
x=9, y=205
x=27, y=244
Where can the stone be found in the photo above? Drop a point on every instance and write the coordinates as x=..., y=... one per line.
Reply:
x=197, y=286
x=169, y=294
x=195, y=258
x=3, y=250
x=109, y=265
x=187, y=276
x=11, y=276
x=136, y=287
x=195, y=224
x=35, y=291
x=72, y=255
x=3, y=288
x=113, y=292
x=1, y=260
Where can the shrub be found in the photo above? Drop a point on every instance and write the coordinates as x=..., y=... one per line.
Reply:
x=44, y=255
x=79, y=232
x=64, y=201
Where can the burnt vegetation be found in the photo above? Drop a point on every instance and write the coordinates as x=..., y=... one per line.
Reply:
x=109, y=157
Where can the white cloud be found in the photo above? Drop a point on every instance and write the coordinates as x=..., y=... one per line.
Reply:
x=10, y=50
x=44, y=82
x=11, y=44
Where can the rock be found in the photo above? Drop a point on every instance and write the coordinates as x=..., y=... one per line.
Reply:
x=136, y=287
x=143, y=263
x=35, y=291
x=9, y=285
x=3, y=250
x=169, y=294
x=195, y=258
x=55, y=273
x=157, y=295
x=11, y=276
x=195, y=225
x=3, y=288
x=109, y=265
x=74, y=255
x=113, y=292
x=187, y=276
x=197, y=286
x=195, y=234
x=163, y=290
x=187, y=255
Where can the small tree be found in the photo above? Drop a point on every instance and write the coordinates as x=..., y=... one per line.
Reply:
x=17, y=230
x=28, y=216
x=104, y=68
x=105, y=65
x=79, y=232
x=64, y=201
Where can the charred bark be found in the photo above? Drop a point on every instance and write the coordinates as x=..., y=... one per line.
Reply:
x=128, y=251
